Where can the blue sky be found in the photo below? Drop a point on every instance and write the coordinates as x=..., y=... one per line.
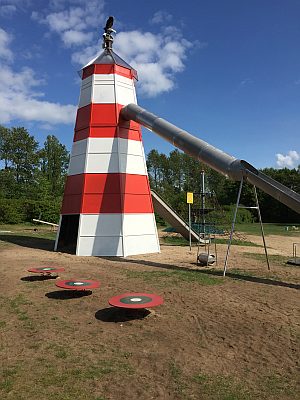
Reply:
x=226, y=71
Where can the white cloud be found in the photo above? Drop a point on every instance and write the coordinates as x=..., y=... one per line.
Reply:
x=161, y=16
x=157, y=58
x=20, y=97
x=7, y=10
x=9, y=7
x=74, y=24
x=76, y=38
x=290, y=160
x=5, y=40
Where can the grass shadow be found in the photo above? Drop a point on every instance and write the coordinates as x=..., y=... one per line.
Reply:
x=251, y=278
x=114, y=314
x=206, y=271
x=68, y=294
x=37, y=278
x=147, y=263
x=29, y=241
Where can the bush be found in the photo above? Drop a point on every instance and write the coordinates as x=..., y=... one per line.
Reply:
x=243, y=216
x=21, y=210
x=11, y=212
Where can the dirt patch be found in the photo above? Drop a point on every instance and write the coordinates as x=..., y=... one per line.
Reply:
x=213, y=338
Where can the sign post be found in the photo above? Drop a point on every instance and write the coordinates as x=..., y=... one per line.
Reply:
x=190, y=200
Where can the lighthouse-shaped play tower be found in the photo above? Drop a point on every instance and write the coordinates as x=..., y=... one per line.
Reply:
x=107, y=207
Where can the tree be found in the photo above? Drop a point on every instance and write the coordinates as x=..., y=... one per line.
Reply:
x=4, y=144
x=19, y=153
x=54, y=160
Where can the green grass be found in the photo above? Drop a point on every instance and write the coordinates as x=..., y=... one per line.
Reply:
x=42, y=231
x=17, y=306
x=277, y=385
x=7, y=378
x=178, y=380
x=269, y=229
x=180, y=241
x=237, y=242
x=174, y=277
x=273, y=258
x=58, y=350
x=221, y=388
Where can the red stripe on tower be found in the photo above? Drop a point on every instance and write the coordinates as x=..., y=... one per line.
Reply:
x=107, y=207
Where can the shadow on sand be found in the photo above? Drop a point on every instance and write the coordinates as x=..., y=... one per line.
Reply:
x=68, y=294
x=204, y=270
x=29, y=241
x=37, y=278
x=114, y=314
x=250, y=278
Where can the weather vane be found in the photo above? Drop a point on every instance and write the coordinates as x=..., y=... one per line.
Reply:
x=107, y=35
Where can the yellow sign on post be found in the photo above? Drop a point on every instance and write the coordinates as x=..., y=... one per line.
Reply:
x=190, y=197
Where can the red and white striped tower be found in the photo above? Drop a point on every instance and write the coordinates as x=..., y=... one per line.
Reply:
x=107, y=207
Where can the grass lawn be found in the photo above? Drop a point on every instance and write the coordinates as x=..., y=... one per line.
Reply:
x=269, y=229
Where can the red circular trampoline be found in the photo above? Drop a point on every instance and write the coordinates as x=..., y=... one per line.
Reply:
x=77, y=284
x=46, y=270
x=136, y=300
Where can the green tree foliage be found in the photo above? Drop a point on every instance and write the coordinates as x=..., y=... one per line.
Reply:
x=54, y=160
x=22, y=155
x=273, y=210
x=31, y=178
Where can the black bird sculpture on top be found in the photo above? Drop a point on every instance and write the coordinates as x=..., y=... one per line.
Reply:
x=109, y=24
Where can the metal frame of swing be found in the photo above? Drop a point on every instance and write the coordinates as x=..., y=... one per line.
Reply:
x=237, y=206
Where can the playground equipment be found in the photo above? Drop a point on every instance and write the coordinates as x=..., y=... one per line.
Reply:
x=46, y=271
x=206, y=258
x=227, y=165
x=107, y=208
x=136, y=300
x=54, y=226
x=74, y=284
x=295, y=260
x=171, y=216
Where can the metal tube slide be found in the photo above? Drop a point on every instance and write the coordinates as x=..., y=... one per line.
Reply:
x=216, y=159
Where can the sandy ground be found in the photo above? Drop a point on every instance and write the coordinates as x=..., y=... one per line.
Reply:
x=213, y=338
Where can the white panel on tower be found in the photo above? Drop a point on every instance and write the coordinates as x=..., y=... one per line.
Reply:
x=130, y=164
x=79, y=147
x=77, y=165
x=114, y=163
x=120, y=79
x=102, y=163
x=125, y=95
x=101, y=225
x=133, y=147
x=103, y=145
x=102, y=79
x=104, y=94
x=140, y=244
x=139, y=224
x=104, y=246
x=86, y=92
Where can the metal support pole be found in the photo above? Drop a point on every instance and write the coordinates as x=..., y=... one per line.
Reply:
x=203, y=201
x=190, y=231
x=261, y=227
x=232, y=226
